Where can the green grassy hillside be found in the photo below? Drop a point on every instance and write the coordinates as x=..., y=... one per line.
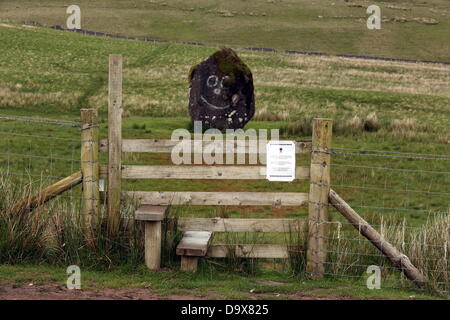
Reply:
x=53, y=74
x=331, y=26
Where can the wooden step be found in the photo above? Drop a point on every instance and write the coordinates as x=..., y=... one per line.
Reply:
x=193, y=245
x=147, y=212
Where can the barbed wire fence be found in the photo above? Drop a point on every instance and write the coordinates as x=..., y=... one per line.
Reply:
x=35, y=161
x=406, y=198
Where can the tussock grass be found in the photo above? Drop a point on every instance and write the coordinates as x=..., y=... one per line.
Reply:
x=23, y=237
x=235, y=263
x=427, y=247
x=350, y=126
x=371, y=123
x=300, y=128
x=53, y=233
x=262, y=114
x=70, y=246
x=296, y=242
x=408, y=129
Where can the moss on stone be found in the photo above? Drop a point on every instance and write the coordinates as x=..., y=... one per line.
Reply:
x=229, y=64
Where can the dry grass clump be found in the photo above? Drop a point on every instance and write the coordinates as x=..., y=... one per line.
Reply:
x=299, y=128
x=352, y=126
x=409, y=124
x=407, y=128
x=54, y=233
x=357, y=125
x=263, y=114
x=23, y=237
x=428, y=250
x=443, y=139
x=371, y=123
x=15, y=97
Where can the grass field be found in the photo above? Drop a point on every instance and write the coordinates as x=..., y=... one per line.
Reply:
x=331, y=26
x=48, y=73
x=175, y=285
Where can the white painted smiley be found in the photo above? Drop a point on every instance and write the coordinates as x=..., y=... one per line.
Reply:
x=217, y=87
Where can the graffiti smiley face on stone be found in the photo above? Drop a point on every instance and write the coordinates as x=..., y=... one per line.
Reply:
x=221, y=91
x=216, y=94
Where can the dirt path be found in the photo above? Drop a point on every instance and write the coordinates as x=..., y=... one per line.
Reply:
x=59, y=292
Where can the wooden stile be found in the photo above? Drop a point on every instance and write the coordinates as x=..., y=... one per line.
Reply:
x=114, y=143
x=318, y=197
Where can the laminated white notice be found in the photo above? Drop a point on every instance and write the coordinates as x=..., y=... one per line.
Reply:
x=280, y=161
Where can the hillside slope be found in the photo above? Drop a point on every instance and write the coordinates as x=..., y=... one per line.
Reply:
x=331, y=26
x=48, y=71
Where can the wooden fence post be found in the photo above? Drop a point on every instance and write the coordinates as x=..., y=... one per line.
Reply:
x=114, y=143
x=90, y=170
x=318, y=197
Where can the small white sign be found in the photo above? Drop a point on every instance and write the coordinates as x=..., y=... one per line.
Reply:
x=101, y=185
x=280, y=161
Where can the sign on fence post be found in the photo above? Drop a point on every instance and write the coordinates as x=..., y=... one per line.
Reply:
x=114, y=143
x=318, y=197
x=280, y=161
x=89, y=170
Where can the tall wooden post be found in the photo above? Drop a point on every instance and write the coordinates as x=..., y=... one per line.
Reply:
x=114, y=143
x=318, y=197
x=90, y=170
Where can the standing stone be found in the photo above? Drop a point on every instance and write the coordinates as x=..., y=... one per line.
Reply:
x=221, y=91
